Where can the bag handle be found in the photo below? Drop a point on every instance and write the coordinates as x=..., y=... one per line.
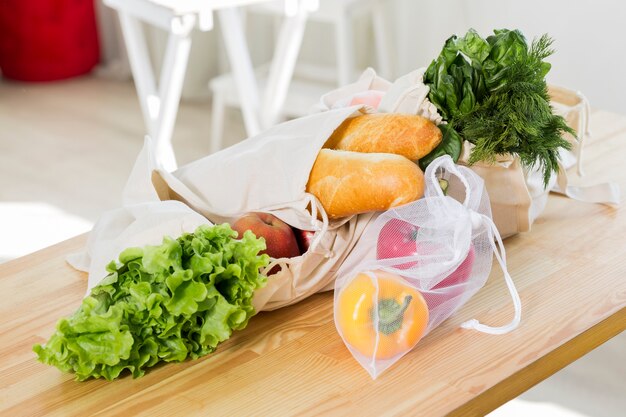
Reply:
x=446, y=163
x=607, y=193
x=316, y=206
x=409, y=95
x=499, y=252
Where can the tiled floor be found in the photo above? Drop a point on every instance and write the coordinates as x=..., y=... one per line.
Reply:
x=67, y=148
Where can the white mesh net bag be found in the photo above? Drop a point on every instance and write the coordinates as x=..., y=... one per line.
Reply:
x=416, y=265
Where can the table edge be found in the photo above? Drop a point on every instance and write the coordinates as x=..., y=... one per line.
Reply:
x=544, y=367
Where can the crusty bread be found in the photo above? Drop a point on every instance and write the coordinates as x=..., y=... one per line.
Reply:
x=408, y=135
x=348, y=183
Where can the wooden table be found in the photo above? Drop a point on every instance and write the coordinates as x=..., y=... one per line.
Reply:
x=570, y=271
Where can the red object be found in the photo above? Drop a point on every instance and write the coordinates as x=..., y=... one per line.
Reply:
x=453, y=285
x=45, y=40
x=461, y=274
x=304, y=238
x=279, y=238
x=397, y=240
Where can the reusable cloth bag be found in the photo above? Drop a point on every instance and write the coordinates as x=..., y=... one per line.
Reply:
x=407, y=95
x=439, y=246
x=517, y=195
x=266, y=173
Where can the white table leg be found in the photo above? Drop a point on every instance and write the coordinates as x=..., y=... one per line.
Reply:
x=217, y=121
x=383, y=46
x=345, y=47
x=159, y=107
x=171, y=86
x=283, y=64
x=237, y=50
x=139, y=59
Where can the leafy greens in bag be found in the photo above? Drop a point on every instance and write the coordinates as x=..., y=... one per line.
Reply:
x=494, y=94
x=161, y=303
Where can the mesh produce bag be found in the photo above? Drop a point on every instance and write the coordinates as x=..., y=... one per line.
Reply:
x=416, y=265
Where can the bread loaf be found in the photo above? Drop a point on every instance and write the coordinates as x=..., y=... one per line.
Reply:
x=408, y=135
x=348, y=183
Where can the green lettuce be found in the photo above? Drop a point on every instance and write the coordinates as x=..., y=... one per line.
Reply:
x=165, y=303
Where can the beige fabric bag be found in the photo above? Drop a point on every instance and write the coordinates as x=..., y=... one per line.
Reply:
x=517, y=196
x=266, y=173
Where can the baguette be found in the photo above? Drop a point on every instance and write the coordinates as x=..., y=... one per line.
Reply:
x=348, y=183
x=408, y=135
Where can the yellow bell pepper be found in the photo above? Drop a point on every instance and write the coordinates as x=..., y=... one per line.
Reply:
x=394, y=327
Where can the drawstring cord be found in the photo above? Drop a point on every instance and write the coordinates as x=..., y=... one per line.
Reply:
x=376, y=317
x=477, y=220
x=316, y=207
x=283, y=262
x=500, y=254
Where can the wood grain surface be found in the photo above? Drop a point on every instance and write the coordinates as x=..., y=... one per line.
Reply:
x=570, y=271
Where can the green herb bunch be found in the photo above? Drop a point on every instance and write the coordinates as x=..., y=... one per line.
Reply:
x=493, y=94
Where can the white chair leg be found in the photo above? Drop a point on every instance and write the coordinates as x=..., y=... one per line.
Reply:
x=241, y=66
x=344, y=48
x=383, y=46
x=217, y=121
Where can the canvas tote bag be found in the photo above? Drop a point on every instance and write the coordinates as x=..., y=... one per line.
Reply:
x=517, y=195
x=266, y=173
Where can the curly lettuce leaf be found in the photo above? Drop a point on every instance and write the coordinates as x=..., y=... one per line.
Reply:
x=169, y=302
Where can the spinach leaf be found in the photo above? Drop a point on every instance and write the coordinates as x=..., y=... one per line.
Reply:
x=474, y=47
x=451, y=144
x=507, y=46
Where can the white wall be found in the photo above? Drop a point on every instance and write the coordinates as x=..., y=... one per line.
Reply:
x=590, y=45
x=589, y=39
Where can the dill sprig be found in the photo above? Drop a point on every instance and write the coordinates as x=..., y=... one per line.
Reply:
x=516, y=117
